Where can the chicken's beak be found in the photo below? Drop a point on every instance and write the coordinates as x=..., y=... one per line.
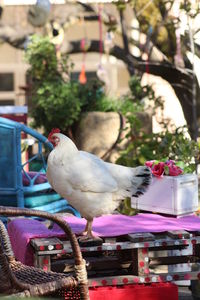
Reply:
x=54, y=140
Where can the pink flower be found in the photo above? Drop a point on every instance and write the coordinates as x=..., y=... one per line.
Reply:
x=164, y=168
x=149, y=163
x=174, y=170
x=158, y=169
x=170, y=162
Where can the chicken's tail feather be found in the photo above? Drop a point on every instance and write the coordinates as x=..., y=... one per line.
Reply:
x=140, y=181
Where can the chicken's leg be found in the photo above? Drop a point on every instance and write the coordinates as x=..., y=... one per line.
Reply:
x=87, y=235
x=88, y=229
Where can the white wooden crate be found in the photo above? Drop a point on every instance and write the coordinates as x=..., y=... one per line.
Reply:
x=174, y=195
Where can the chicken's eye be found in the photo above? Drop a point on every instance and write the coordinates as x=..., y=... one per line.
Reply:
x=55, y=140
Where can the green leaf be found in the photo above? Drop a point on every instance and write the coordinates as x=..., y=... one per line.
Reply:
x=166, y=170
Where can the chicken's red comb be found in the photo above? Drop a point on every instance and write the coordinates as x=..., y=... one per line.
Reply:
x=54, y=130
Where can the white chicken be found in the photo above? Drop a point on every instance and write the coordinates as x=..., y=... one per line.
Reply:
x=90, y=185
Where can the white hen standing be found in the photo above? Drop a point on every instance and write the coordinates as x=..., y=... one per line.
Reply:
x=90, y=185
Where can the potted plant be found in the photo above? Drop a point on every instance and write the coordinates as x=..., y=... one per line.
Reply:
x=171, y=191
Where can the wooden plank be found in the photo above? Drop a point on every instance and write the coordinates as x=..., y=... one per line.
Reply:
x=196, y=250
x=110, y=240
x=113, y=280
x=195, y=233
x=179, y=234
x=92, y=264
x=172, y=260
x=169, y=247
x=43, y=262
x=140, y=237
x=143, y=262
x=47, y=244
x=131, y=279
x=162, y=244
x=134, y=256
x=108, y=263
x=63, y=265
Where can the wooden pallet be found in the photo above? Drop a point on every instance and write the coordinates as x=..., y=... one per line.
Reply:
x=134, y=258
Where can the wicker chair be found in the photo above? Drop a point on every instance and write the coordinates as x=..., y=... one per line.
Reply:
x=19, y=280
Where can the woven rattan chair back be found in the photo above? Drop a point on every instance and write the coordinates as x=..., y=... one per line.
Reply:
x=19, y=280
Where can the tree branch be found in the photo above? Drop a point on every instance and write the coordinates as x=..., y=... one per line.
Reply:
x=180, y=79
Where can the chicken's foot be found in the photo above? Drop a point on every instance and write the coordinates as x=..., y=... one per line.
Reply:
x=87, y=238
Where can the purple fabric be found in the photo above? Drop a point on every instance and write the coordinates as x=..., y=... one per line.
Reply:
x=114, y=225
x=42, y=178
x=22, y=230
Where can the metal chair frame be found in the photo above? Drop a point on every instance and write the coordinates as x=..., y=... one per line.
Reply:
x=12, y=191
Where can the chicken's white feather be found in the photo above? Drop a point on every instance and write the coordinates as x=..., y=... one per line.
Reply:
x=91, y=185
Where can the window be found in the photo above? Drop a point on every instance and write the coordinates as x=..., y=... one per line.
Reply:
x=6, y=82
x=7, y=102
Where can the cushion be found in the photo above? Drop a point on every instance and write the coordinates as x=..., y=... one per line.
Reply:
x=40, y=199
x=42, y=178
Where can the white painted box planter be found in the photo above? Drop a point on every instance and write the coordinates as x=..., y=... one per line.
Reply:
x=174, y=195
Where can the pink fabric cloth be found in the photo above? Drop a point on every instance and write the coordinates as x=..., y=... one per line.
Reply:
x=22, y=230
x=42, y=178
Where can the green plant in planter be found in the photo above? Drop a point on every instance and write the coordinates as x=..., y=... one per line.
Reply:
x=58, y=101
x=160, y=146
x=171, y=144
x=168, y=144
x=41, y=55
x=55, y=98
x=56, y=104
